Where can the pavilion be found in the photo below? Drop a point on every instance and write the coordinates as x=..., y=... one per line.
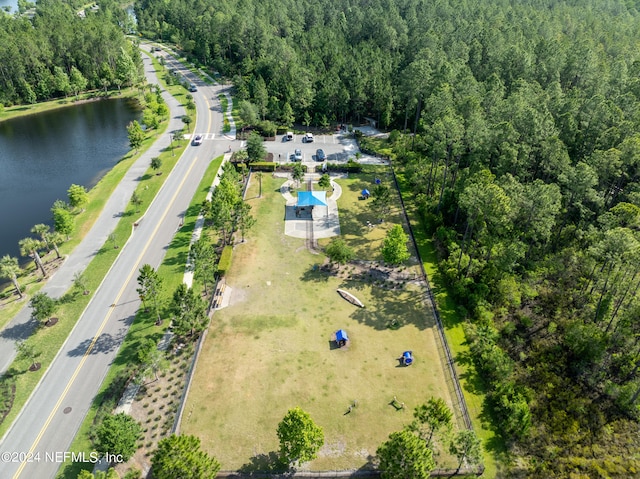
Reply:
x=307, y=200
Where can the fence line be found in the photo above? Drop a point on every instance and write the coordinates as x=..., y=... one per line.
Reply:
x=361, y=473
x=449, y=357
x=192, y=367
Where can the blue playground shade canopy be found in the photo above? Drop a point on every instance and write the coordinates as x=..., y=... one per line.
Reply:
x=365, y=192
x=341, y=335
x=312, y=198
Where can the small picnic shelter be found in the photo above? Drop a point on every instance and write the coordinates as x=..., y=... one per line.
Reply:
x=307, y=200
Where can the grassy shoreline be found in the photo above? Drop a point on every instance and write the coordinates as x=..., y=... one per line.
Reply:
x=16, y=111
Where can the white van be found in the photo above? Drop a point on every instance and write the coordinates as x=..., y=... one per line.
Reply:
x=308, y=138
x=289, y=136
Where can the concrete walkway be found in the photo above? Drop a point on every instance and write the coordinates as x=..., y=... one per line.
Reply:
x=325, y=220
x=22, y=325
x=197, y=230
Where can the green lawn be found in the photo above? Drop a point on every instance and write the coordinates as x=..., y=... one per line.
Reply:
x=271, y=349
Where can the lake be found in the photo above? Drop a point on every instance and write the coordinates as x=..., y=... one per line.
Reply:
x=42, y=155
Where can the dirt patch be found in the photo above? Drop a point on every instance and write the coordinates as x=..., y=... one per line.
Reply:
x=238, y=295
x=334, y=449
x=51, y=322
x=35, y=367
x=375, y=272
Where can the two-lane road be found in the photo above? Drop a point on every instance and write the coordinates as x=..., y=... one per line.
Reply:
x=39, y=439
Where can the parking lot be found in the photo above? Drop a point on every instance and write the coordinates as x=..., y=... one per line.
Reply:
x=337, y=148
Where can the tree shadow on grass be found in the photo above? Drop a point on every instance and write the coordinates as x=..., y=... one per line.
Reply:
x=368, y=469
x=128, y=354
x=69, y=296
x=384, y=313
x=473, y=382
x=270, y=463
x=316, y=274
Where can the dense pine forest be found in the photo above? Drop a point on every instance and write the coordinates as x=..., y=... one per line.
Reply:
x=517, y=126
x=525, y=168
x=62, y=48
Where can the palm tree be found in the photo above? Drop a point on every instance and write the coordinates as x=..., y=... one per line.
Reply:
x=9, y=269
x=42, y=231
x=54, y=239
x=29, y=247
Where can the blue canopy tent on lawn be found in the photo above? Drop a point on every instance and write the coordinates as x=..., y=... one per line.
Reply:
x=365, y=193
x=407, y=358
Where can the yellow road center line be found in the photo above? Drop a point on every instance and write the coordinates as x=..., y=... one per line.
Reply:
x=104, y=323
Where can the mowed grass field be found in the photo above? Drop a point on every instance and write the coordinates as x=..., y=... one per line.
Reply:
x=272, y=348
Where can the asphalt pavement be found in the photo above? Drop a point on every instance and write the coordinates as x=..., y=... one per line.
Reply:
x=39, y=439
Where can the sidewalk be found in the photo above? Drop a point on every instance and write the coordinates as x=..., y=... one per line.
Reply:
x=22, y=325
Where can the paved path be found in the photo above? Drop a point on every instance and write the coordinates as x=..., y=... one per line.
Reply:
x=325, y=220
x=50, y=419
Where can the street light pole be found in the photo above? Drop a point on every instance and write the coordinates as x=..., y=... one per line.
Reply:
x=171, y=138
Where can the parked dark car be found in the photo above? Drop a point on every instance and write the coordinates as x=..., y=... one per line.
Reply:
x=320, y=155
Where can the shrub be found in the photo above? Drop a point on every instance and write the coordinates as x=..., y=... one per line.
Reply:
x=350, y=167
x=267, y=128
x=263, y=166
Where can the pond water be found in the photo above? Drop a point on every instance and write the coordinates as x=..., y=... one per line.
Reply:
x=42, y=155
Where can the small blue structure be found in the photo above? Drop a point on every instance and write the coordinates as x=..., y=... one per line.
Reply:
x=341, y=337
x=365, y=194
x=312, y=198
x=378, y=181
x=407, y=358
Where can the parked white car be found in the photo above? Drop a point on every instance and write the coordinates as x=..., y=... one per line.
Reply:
x=307, y=138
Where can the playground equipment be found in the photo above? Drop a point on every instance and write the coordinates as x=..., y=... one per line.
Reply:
x=407, y=358
x=351, y=298
x=341, y=337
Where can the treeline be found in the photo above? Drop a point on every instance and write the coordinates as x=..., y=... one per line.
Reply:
x=58, y=52
x=319, y=62
x=525, y=166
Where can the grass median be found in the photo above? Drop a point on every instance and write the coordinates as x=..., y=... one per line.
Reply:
x=171, y=271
